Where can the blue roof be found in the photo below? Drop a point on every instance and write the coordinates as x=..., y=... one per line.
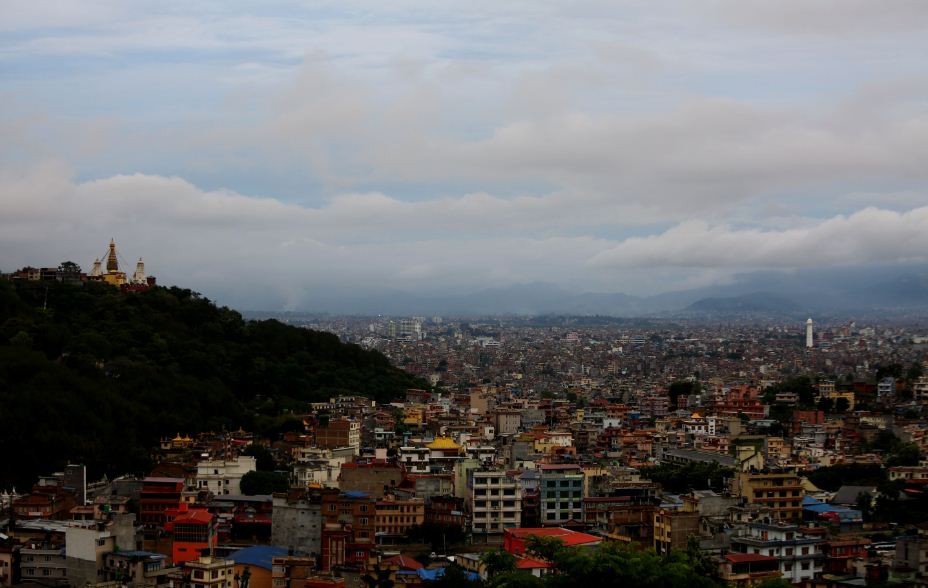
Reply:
x=436, y=573
x=261, y=556
x=133, y=553
x=355, y=494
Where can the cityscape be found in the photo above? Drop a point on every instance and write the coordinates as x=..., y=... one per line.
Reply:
x=524, y=294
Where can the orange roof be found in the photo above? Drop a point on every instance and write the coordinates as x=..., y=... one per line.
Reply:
x=748, y=557
x=405, y=563
x=570, y=538
x=528, y=563
x=197, y=517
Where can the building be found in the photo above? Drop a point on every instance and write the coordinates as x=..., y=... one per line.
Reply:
x=292, y=571
x=157, y=496
x=44, y=502
x=673, y=528
x=44, y=562
x=339, y=432
x=9, y=562
x=779, y=492
x=224, y=476
x=446, y=511
x=507, y=421
x=800, y=557
x=376, y=478
x=297, y=521
x=744, y=570
x=348, y=532
x=257, y=564
x=810, y=340
x=210, y=572
x=886, y=387
x=561, y=489
x=193, y=534
x=415, y=459
x=135, y=569
x=514, y=540
x=87, y=542
x=115, y=277
x=495, y=501
x=394, y=517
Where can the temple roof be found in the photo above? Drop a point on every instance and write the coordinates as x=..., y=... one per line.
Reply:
x=443, y=443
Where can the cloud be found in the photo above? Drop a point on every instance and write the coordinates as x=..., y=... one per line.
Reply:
x=418, y=145
x=871, y=235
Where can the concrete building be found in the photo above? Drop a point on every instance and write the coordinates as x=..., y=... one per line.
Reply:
x=135, y=569
x=780, y=492
x=394, y=517
x=44, y=562
x=507, y=421
x=297, y=522
x=224, y=476
x=87, y=542
x=561, y=489
x=210, y=572
x=672, y=529
x=340, y=432
x=374, y=477
x=800, y=557
x=495, y=501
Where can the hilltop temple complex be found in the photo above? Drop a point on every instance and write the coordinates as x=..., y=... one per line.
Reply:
x=70, y=272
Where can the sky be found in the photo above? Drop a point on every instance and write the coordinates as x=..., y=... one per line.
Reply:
x=267, y=153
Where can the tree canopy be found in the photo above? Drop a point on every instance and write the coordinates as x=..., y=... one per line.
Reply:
x=98, y=376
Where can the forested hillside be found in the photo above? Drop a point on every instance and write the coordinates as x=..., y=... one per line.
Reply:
x=90, y=374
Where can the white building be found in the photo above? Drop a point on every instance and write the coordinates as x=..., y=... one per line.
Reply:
x=495, y=501
x=810, y=341
x=416, y=460
x=800, y=556
x=224, y=476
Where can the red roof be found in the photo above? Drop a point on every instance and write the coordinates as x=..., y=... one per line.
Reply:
x=405, y=563
x=570, y=538
x=528, y=563
x=196, y=517
x=748, y=557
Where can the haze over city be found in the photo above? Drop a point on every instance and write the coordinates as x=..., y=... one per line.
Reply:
x=292, y=155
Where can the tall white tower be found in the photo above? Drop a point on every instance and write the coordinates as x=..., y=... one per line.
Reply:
x=810, y=342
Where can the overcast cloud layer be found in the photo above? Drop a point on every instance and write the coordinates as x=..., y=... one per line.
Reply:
x=265, y=155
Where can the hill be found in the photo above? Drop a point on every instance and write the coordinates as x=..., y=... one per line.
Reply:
x=97, y=376
x=756, y=302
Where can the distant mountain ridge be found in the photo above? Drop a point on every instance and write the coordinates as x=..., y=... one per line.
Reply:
x=823, y=290
x=756, y=302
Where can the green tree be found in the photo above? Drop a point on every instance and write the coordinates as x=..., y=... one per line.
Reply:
x=831, y=478
x=616, y=564
x=904, y=454
x=682, y=388
x=498, y=562
x=546, y=548
x=842, y=405
x=263, y=483
x=264, y=460
x=775, y=583
x=455, y=577
x=517, y=579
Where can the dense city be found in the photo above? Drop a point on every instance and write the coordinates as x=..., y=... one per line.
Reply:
x=769, y=453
